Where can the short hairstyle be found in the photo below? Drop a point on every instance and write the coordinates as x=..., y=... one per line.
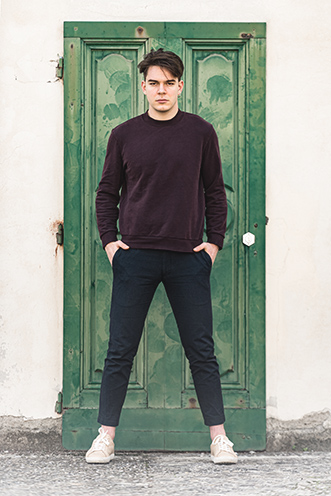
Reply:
x=166, y=60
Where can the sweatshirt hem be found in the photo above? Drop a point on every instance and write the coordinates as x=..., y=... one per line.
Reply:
x=154, y=243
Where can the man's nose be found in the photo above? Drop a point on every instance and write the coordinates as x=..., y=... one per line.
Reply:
x=161, y=88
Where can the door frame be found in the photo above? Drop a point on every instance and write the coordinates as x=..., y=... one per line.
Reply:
x=75, y=35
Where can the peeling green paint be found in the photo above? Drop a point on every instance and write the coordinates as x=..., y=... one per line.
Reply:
x=220, y=88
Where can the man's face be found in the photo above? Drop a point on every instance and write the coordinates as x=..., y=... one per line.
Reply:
x=162, y=90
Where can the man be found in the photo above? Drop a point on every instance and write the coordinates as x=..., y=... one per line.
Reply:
x=167, y=165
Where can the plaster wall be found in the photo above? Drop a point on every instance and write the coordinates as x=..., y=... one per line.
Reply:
x=298, y=199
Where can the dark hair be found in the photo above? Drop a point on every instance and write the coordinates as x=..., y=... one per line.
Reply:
x=167, y=60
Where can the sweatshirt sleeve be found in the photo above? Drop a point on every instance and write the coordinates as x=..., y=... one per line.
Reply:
x=108, y=194
x=215, y=197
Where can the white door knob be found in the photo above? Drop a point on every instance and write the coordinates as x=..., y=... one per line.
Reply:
x=248, y=239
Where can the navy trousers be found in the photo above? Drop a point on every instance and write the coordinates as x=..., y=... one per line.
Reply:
x=186, y=278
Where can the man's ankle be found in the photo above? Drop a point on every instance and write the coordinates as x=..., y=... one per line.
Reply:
x=110, y=430
x=217, y=430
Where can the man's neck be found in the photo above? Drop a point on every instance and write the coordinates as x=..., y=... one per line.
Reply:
x=163, y=116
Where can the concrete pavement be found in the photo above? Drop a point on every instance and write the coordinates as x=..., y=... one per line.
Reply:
x=43, y=473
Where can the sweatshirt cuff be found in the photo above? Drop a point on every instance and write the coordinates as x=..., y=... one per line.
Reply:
x=108, y=237
x=216, y=239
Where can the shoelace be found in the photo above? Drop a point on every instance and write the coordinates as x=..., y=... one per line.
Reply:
x=102, y=440
x=224, y=443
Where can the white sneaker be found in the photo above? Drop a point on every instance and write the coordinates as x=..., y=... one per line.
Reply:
x=102, y=449
x=221, y=450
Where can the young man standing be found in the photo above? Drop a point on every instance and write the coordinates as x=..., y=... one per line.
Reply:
x=167, y=165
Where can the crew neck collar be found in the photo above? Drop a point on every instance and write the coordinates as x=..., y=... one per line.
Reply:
x=169, y=122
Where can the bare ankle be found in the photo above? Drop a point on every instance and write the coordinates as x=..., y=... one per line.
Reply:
x=110, y=430
x=217, y=430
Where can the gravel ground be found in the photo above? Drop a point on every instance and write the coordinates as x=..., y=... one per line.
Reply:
x=148, y=473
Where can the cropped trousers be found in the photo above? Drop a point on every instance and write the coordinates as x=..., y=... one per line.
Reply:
x=186, y=278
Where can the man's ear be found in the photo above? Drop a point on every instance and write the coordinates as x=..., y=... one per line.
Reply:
x=180, y=85
x=143, y=86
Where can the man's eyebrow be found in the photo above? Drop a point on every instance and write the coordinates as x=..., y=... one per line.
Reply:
x=156, y=81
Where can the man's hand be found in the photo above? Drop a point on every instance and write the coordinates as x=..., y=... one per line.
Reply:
x=112, y=248
x=210, y=248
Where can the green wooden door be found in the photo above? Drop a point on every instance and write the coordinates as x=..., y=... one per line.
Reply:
x=224, y=83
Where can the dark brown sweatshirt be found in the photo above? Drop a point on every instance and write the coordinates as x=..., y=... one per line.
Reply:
x=163, y=178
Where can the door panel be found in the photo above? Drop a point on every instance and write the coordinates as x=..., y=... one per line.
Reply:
x=215, y=90
x=224, y=85
x=111, y=96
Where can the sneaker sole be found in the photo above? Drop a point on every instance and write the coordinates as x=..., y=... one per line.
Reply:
x=100, y=460
x=226, y=460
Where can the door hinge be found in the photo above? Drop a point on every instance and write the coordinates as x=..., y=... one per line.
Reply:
x=246, y=36
x=60, y=234
x=59, y=68
x=59, y=403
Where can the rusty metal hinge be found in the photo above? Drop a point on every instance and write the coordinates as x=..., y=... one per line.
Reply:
x=246, y=36
x=59, y=403
x=60, y=68
x=60, y=234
